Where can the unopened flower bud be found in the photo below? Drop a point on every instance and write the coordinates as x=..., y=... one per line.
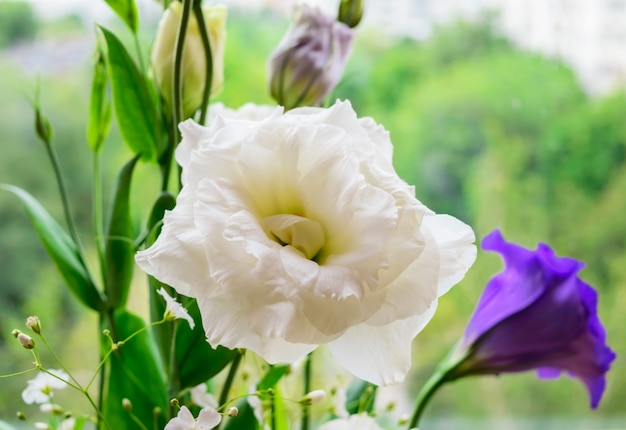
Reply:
x=232, y=411
x=21, y=416
x=174, y=403
x=34, y=324
x=51, y=408
x=127, y=405
x=15, y=333
x=350, y=12
x=313, y=397
x=194, y=61
x=156, y=411
x=26, y=341
x=308, y=62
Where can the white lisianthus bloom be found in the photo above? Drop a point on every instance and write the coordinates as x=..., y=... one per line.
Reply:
x=208, y=418
x=174, y=310
x=41, y=388
x=353, y=422
x=293, y=230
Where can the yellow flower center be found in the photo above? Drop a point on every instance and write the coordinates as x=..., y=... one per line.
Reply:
x=304, y=234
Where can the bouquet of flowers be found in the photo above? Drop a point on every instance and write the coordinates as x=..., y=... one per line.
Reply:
x=282, y=240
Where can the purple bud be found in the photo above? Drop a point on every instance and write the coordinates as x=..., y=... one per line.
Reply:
x=536, y=314
x=308, y=62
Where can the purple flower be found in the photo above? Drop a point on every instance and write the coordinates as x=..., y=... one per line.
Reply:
x=308, y=62
x=536, y=314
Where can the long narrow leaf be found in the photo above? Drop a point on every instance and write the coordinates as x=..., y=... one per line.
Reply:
x=119, y=248
x=127, y=11
x=99, y=120
x=133, y=104
x=61, y=248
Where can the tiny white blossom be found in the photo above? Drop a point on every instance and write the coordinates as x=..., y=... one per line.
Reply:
x=67, y=424
x=174, y=310
x=202, y=398
x=40, y=389
x=207, y=419
x=42, y=426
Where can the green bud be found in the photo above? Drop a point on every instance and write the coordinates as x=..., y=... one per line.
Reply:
x=350, y=12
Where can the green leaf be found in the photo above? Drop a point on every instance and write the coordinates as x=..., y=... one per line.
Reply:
x=62, y=249
x=135, y=373
x=245, y=419
x=127, y=11
x=119, y=250
x=273, y=375
x=197, y=360
x=99, y=121
x=133, y=104
x=360, y=396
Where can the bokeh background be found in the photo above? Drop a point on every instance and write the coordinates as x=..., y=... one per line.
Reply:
x=506, y=115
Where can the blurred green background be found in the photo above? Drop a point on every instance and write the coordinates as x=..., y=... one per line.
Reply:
x=498, y=137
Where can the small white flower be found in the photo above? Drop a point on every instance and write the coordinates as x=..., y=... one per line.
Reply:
x=353, y=422
x=67, y=424
x=40, y=389
x=42, y=426
x=202, y=398
x=174, y=310
x=207, y=419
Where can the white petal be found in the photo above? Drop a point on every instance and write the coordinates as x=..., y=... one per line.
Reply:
x=353, y=422
x=208, y=419
x=455, y=241
x=380, y=354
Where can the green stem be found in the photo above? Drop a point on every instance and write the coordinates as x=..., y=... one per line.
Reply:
x=206, y=45
x=228, y=383
x=177, y=87
x=430, y=387
x=98, y=218
x=54, y=160
x=142, y=66
x=307, y=389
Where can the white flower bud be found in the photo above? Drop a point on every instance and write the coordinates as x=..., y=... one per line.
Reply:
x=34, y=324
x=193, y=61
x=26, y=341
x=232, y=411
x=313, y=397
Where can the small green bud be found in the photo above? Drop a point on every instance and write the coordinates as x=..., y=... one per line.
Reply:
x=350, y=12
x=127, y=405
x=21, y=416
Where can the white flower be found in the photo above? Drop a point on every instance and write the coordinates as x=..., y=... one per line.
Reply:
x=174, y=310
x=353, y=422
x=293, y=230
x=202, y=398
x=207, y=419
x=40, y=389
x=67, y=424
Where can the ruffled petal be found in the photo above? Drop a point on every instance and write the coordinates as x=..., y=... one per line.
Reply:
x=380, y=354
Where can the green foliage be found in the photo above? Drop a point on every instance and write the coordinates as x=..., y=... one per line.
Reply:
x=134, y=109
x=135, y=373
x=61, y=248
x=127, y=11
x=196, y=360
x=119, y=249
x=18, y=22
